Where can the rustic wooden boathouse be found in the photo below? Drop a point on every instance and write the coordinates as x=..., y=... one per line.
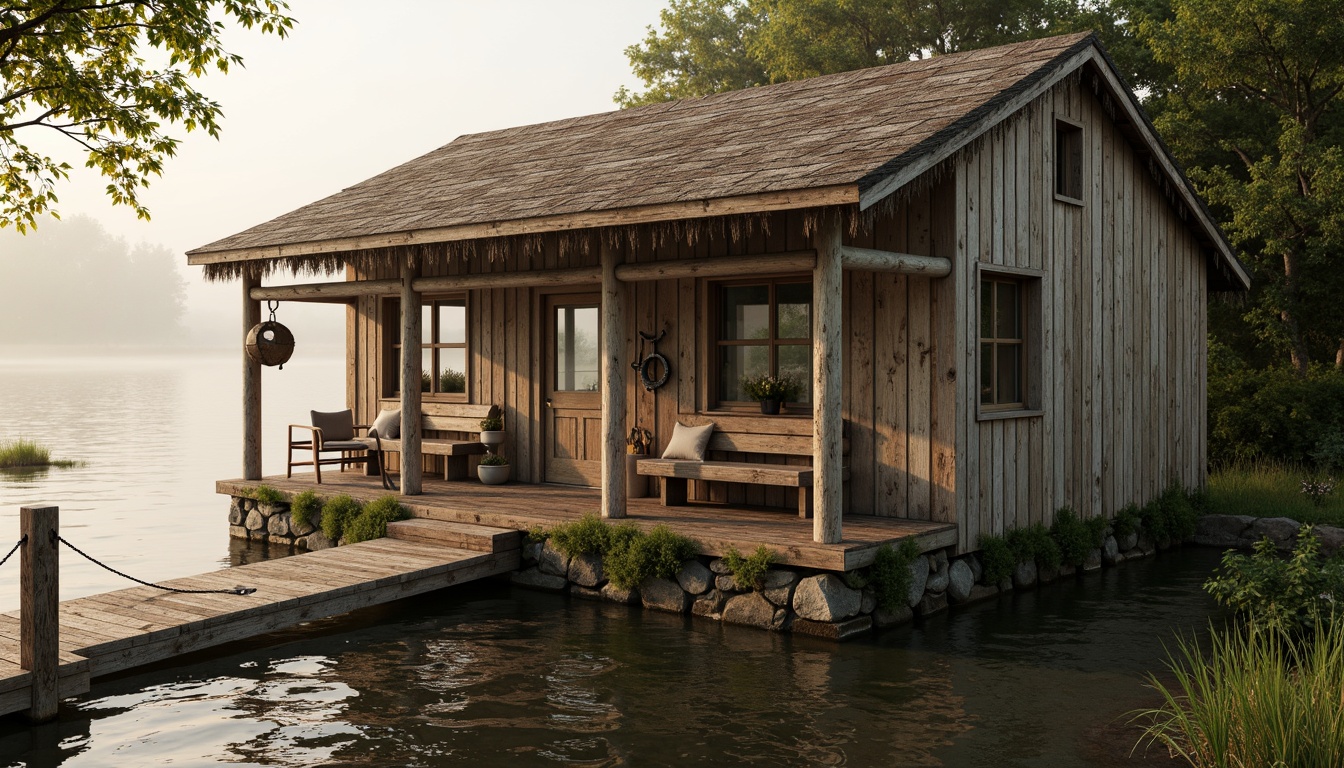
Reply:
x=986, y=266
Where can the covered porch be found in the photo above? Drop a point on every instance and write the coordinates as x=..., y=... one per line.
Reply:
x=715, y=527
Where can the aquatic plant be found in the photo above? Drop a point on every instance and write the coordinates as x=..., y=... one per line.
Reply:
x=1288, y=595
x=1257, y=697
x=890, y=574
x=337, y=513
x=306, y=508
x=371, y=522
x=21, y=454
x=749, y=570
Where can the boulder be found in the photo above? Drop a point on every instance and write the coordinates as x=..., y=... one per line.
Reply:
x=1223, y=531
x=664, y=595
x=278, y=525
x=1332, y=539
x=981, y=592
x=825, y=598
x=719, y=567
x=1067, y=570
x=1024, y=575
x=977, y=569
x=938, y=579
x=284, y=541
x=1110, y=552
x=1280, y=530
x=1092, y=563
x=868, y=601
x=614, y=594
x=255, y=521
x=318, y=540
x=709, y=605
x=933, y=602
x=271, y=510
x=1146, y=545
x=726, y=584
x=532, y=551
x=1046, y=574
x=884, y=618
x=960, y=580
x=695, y=578
x=753, y=610
x=919, y=576
x=586, y=571
x=777, y=579
x=553, y=561
x=1128, y=541
x=584, y=593
x=301, y=542
x=300, y=529
x=536, y=578
x=938, y=561
x=834, y=630
x=237, y=531
x=781, y=596
x=236, y=513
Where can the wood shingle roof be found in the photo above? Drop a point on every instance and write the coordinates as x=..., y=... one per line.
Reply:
x=826, y=140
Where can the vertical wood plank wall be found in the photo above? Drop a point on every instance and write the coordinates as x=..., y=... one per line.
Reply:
x=1122, y=326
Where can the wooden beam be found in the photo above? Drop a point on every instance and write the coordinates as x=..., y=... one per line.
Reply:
x=887, y=261
x=728, y=266
x=540, y=278
x=338, y=291
x=613, y=387
x=839, y=194
x=410, y=383
x=39, y=609
x=827, y=383
x=251, y=386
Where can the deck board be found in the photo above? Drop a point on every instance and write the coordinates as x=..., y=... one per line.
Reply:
x=111, y=632
x=716, y=527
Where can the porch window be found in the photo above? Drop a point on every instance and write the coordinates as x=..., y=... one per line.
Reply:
x=763, y=327
x=1002, y=348
x=443, y=346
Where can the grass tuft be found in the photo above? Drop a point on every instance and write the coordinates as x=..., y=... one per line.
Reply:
x=749, y=570
x=26, y=454
x=306, y=508
x=337, y=513
x=1269, y=489
x=371, y=522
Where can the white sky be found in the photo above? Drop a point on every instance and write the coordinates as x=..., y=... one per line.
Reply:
x=358, y=88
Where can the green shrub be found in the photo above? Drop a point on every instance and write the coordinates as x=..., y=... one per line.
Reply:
x=1170, y=516
x=1075, y=537
x=1256, y=698
x=996, y=558
x=1274, y=414
x=492, y=423
x=371, y=522
x=306, y=508
x=452, y=381
x=1126, y=520
x=493, y=460
x=337, y=513
x=749, y=571
x=1034, y=543
x=1281, y=594
x=266, y=494
x=890, y=573
x=636, y=556
x=588, y=535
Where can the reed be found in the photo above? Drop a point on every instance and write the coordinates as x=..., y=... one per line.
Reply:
x=1257, y=698
x=22, y=454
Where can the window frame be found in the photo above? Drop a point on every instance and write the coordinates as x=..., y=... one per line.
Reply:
x=1068, y=159
x=1031, y=299
x=714, y=294
x=392, y=347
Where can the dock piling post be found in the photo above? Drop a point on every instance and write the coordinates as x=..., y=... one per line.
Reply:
x=39, y=601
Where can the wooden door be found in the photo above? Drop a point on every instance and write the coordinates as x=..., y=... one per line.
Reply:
x=573, y=402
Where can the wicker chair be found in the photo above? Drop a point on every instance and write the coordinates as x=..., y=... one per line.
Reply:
x=329, y=433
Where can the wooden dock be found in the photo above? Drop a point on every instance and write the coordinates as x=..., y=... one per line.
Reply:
x=103, y=634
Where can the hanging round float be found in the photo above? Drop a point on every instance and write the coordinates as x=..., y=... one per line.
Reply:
x=269, y=342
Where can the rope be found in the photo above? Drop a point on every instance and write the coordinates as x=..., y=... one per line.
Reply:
x=18, y=544
x=240, y=590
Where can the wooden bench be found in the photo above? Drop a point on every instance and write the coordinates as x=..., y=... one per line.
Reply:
x=443, y=417
x=676, y=473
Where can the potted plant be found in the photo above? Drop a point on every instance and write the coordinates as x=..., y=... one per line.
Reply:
x=493, y=469
x=770, y=391
x=492, y=430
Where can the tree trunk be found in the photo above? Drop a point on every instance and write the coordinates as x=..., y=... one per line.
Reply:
x=1297, y=343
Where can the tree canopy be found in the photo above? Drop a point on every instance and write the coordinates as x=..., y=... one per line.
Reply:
x=109, y=76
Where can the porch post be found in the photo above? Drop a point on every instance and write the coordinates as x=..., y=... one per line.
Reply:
x=827, y=384
x=613, y=387
x=251, y=384
x=410, y=383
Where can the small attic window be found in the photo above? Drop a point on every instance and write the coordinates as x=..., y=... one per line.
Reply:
x=1068, y=161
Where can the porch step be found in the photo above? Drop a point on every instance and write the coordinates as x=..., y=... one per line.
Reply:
x=478, y=538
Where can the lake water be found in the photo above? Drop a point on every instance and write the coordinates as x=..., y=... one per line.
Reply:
x=489, y=675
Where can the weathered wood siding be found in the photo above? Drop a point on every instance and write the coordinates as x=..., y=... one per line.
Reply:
x=1122, y=325
x=900, y=429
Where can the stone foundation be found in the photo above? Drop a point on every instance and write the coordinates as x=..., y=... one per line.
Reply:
x=272, y=523
x=1242, y=532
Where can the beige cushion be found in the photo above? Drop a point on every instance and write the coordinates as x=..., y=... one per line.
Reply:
x=688, y=442
x=335, y=426
x=388, y=424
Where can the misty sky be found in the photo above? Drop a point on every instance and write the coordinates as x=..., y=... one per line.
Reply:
x=358, y=88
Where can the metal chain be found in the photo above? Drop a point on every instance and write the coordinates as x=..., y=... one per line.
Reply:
x=20, y=543
x=240, y=590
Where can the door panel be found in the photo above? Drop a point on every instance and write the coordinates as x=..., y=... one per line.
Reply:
x=573, y=402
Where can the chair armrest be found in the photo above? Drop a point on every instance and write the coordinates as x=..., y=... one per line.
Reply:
x=363, y=426
x=315, y=440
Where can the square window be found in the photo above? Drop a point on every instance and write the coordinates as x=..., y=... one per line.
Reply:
x=764, y=328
